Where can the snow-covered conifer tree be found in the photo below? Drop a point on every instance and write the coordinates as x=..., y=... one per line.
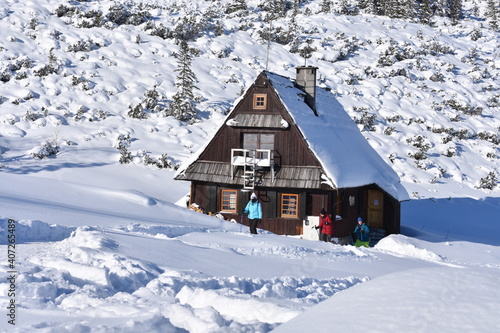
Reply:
x=326, y=6
x=182, y=105
x=491, y=13
x=456, y=11
x=425, y=12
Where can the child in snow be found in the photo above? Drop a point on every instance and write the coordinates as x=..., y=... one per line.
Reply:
x=326, y=226
x=362, y=232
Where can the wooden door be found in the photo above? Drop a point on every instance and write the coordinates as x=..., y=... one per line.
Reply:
x=375, y=209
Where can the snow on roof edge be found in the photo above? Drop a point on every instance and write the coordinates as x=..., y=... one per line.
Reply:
x=332, y=134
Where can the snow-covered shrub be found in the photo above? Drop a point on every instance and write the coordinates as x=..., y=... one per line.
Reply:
x=466, y=109
x=189, y=27
x=76, y=80
x=91, y=19
x=31, y=116
x=437, y=77
x=137, y=112
x=422, y=144
x=235, y=6
x=493, y=101
x=475, y=34
x=367, y=120
x=471, y=57
x=120, y=14
x=159, y=31
x=447, y=139
x=83, y=46
x=5, y=76
x=490, y=137
x=460, y=134
x=164, y=162
x=394, y=119
x=33, y=23
x=49, y=147
x=45, y=70
x=389, y=130
x=150, y=103
x=21, y=76
x=123, y=143
x=395, y=53
x=80, y=113
x=346, y=45
x=450, y=152
x=435, y=48
x=63, y=10
x=491, y=155
x=489, y=182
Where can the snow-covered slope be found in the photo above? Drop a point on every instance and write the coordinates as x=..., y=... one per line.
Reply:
x=426, y=98
x=101, y=246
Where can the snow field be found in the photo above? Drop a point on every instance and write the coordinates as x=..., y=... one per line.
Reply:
x=81, y=272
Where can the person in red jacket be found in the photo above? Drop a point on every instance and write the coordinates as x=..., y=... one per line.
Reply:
x=326, y=226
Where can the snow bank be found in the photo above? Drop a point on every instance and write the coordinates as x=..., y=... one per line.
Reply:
x=34, y=231
x=417, y=300
x=404, y=246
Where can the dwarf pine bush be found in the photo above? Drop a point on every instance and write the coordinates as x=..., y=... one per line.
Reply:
x=489, y=182
x=123, y=143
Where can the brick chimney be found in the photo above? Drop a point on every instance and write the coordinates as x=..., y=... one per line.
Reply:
x=306, y=81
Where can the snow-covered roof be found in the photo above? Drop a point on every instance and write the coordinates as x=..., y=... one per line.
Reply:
x=346, y=156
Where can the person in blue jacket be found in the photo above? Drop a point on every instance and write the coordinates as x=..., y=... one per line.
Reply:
x=362, y=232
x=254, y=211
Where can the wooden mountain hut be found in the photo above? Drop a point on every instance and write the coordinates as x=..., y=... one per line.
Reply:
x=294, y=145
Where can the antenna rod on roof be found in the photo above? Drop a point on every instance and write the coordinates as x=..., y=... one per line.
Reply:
x=268, y=43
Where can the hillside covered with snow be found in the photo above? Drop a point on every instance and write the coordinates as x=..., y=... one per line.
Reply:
x=425, y=97
x=89, y=144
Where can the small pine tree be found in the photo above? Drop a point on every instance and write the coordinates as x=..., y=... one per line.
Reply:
x=125, y=155
x=164, y=162
x=182, y=105
x=293, y=34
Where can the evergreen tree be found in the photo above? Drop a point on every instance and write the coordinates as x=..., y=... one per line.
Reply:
x=235, y=6
x=455, y=11
x=326, y=6
x=381, y=7
x=293, y=37
x=425, y=12
x=275, y=9
x=371, y=6
x=403, y=9
x=368, y=6
x=344, y=7
x=492, y=14
x=182, y=106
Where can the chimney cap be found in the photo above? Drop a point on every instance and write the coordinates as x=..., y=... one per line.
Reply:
x=308, y=67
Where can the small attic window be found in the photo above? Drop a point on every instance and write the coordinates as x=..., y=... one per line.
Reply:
x=260, y=101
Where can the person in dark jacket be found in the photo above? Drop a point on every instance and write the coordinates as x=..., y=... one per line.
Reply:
x=362, y=232
x=254, y=211
x=326, y=226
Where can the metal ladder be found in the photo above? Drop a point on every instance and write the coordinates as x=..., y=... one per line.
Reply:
x=249, y=174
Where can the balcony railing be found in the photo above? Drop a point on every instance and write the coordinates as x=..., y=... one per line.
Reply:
x=257, y=157
x=251, y=161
